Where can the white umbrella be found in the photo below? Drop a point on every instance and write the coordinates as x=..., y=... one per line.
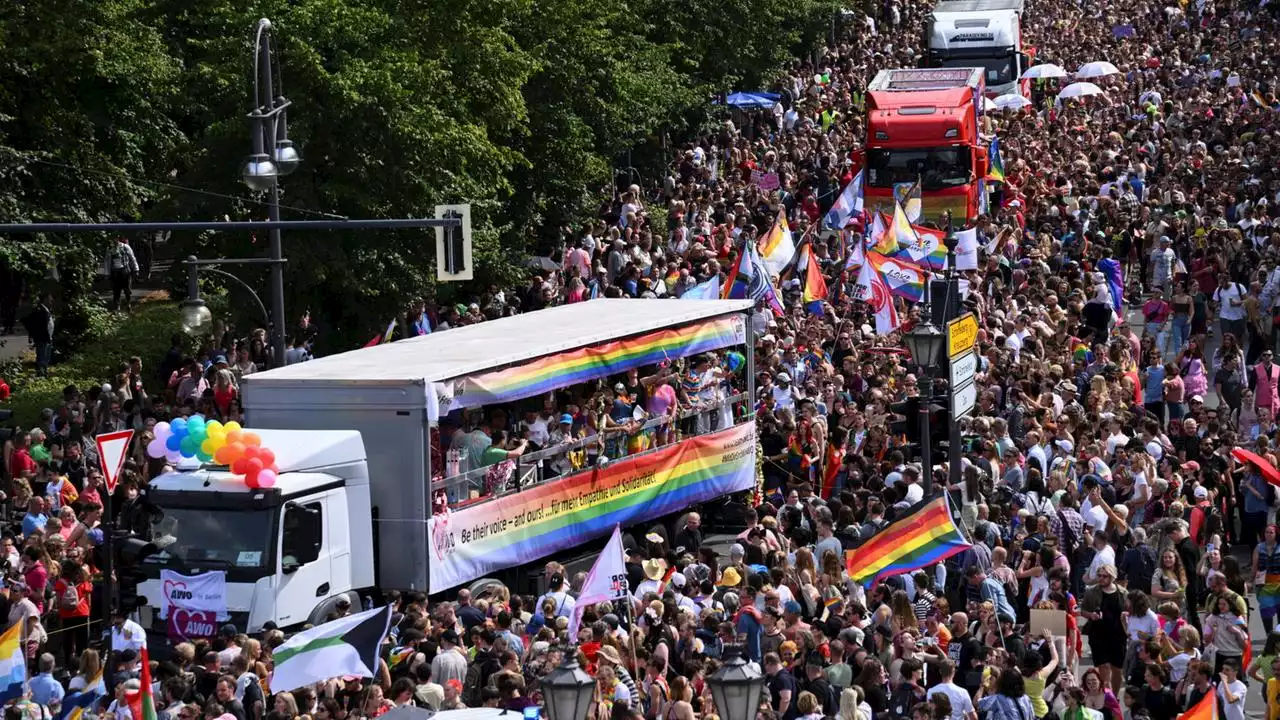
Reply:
x=988, y=105
x=1101, y=68
x=1079, y=89
x=1012, y=101
x=1044, y=70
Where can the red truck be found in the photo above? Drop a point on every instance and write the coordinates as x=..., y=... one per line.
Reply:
x=922, y=126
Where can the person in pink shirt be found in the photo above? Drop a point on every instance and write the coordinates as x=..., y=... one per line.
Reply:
x=35, y=575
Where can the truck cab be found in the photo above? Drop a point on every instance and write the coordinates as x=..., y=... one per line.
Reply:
x=290, y=552
x=985, y=34
x=922, y=127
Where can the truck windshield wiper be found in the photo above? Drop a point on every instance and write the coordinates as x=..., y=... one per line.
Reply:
x=190, y=563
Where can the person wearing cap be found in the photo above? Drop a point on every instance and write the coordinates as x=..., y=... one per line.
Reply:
x=784, y=395
x=450, y=663
x=229, y=636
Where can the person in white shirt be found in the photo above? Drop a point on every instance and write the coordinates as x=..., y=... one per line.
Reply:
x=1231, y=690
x=558, y=593
x=1229, y=298
x=961, y=703
x=1162, y=260
x=126, y=634
x=1036, y=452
x=1105, y=555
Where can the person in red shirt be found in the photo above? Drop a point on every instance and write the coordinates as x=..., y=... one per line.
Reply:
x=71, y=596
x=21, y=464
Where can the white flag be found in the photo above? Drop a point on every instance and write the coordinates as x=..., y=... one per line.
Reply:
x=606, y=581
x=967, y=249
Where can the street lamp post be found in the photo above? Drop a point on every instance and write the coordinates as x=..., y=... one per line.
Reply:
x=196, y=316
x=568, y=691
x=273, y=157
x=925, y=342
x=953, y=437
x=736, y=686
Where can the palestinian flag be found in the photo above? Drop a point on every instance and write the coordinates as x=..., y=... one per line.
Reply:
x=346, y=646
x=142, y=706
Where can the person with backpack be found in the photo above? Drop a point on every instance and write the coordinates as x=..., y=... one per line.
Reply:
x=71, y=594
x=121, y=268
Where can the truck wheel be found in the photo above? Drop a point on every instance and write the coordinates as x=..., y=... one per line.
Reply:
x=321, y=612
x=483, y=586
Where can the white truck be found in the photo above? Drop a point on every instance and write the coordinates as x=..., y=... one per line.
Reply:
x=289, y=552
x=979, y=33
x=357, y=440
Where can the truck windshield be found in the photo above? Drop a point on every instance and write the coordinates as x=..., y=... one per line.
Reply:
x=190, y=538
x=936, y=168
x=998, y=70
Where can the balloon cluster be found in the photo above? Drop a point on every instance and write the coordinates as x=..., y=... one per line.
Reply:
x=226, y=444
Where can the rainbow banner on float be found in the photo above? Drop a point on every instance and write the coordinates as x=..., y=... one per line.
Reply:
x=589, y=363
x=567, y=512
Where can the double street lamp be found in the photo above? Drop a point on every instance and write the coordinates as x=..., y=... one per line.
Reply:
x=273, y=156
x=736, y=687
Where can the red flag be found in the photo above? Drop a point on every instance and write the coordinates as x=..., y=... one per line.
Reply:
x=142, y=705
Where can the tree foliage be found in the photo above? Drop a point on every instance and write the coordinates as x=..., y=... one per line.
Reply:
x=109, y=108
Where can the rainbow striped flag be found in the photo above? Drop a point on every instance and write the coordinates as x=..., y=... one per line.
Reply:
x=815, y=286
x=1206, y=709
x=880, y=239
x=996, y=171
x=925, y=535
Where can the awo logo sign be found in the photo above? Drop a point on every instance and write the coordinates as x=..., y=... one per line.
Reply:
x=442, y=541
x=206, y=592
x=178, y=593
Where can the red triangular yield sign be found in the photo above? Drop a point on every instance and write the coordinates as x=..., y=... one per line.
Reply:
x=113, y=447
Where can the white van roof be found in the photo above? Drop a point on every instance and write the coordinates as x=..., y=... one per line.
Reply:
x=953, y=31
x=964, y=6
x=505, y=341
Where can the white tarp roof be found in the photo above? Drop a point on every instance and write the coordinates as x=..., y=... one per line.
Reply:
x=506, y=341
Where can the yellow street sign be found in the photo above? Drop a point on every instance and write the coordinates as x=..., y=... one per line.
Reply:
x=962, y=334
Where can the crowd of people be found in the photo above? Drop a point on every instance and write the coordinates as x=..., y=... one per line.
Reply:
x=1098, y=477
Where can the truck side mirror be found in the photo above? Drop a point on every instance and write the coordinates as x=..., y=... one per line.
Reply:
x=302, y=536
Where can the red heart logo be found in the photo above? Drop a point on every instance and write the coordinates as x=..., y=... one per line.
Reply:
x=170, y=586
x=178, y=619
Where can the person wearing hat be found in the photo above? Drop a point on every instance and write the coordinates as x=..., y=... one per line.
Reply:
x=608, y=656
x=784, y=395
x=816, y=682
x=228, y=636
x=655, y=569
x=450, y=663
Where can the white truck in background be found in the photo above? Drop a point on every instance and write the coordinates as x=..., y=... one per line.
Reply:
x=985, y=34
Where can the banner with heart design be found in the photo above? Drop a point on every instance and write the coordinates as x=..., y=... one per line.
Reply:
x=206, y=592
x=187, y=625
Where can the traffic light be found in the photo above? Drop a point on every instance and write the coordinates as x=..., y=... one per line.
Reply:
x=128, y=552
x=906, y=419
x=939, y=422
x=454, y=260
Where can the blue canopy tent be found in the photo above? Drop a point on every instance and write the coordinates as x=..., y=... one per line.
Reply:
x=752, y=100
